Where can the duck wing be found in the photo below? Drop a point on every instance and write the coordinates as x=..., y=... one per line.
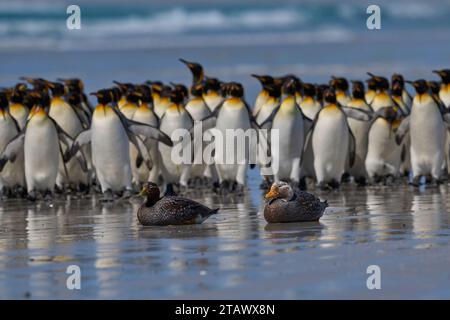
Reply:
x=184, y=209
x=310, y=203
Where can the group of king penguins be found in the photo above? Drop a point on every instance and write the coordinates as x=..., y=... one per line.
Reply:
x=53, y=140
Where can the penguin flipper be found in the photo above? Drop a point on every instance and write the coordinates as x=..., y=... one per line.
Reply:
x=82, y=138
x=351, y=148
x=355, y=113
x=402, y=130
x=267, y=124
x=149, y=131
x=11, y=150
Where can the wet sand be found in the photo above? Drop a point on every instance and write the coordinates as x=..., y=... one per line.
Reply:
x=233, y=255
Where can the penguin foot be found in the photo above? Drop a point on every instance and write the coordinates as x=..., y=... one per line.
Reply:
x=334, y=184
x=345, y=177
x=239, y=189
x=361, y=181
x=435, y=182
x=32, y=196
x=83, y=188
x=415, y=182
x=108, y=196
x=48, y=195
x=389, y=180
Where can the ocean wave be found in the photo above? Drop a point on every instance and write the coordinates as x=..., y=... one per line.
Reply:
x=238, y=23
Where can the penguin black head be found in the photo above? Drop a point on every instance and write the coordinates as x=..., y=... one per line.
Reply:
x=133, y=95
x=339, y=84
x=146, y=93
x=177, y=95
x=382, y=83
x=57, y=89
x=309, y=90
x=18, y=93
x=421, y=86
x=211, y=84
x=73, y=84
x=235, y=89
x=124, y=87
x=264, y=80
x=329, y=96
x=397, y=89
x=196, y=70
x=435, y=87
x=320, y=89
x=398, y=78
x=291, y=86
x=371, y=84
x=274, y=90
x=41, y=98
x=73, y=98
x=156, y=86
x=104, y=96
x=3, y=100
x=37, y=83
x=358, y=89
x=181, y=88
x=197, y=90
x=444, y=74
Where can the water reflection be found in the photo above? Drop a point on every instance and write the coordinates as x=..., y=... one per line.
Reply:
x=120, y=258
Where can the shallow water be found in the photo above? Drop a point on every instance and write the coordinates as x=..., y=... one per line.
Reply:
x=234, y=254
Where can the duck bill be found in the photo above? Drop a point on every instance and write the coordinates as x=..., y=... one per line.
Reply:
x=143, y=192
x=271, y=194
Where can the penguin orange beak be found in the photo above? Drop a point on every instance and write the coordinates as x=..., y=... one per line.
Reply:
x=273, y=193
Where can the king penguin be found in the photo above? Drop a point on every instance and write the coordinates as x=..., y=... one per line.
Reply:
x=406, y=97
x=263, y=95
x=444, y=95
x=383, y=155
x=341, y=87
x=332, y=142
x=427, y=131
x=382, y=98
x=12, y=177
x=360, y=130
x=17, y=108
x=175, y=118
x=233, y=114
x=212, y=93
x=310, y=106
x=288, y=119
x=371, y=90
x=70, y=174
x=145, y=114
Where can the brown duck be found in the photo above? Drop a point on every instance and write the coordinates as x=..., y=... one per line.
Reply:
x=170, y=210
x=286, y=205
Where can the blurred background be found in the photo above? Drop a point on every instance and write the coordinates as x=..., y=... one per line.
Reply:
x=140, y=40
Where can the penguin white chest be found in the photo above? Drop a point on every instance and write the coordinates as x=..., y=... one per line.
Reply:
x=427, y=132
x=41, y=148
x=330, y=142
x=110, y=152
